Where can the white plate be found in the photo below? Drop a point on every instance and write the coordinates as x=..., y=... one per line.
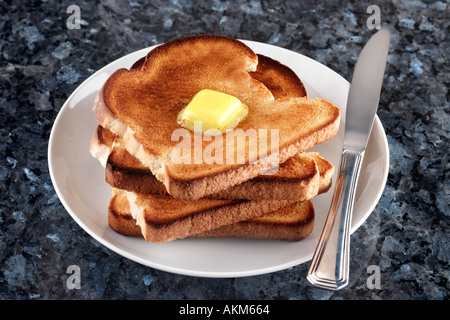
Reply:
x=80, y=184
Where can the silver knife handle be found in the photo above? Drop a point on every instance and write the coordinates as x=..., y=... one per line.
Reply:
x=329, y=266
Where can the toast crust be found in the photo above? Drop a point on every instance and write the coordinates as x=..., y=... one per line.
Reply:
x=122, y=98
x=120, y=218
x=164, y=218
x=291, y=223
x=278, y=78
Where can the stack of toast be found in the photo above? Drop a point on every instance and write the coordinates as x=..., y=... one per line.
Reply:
x=160, y=199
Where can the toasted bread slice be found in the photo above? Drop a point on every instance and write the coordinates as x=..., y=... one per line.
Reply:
x=123, y=171
x=292, y=223
x=164, y=218
x=141, y=105
x=299, y=178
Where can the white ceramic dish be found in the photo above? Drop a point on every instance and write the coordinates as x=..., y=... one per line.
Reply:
x=79, y=182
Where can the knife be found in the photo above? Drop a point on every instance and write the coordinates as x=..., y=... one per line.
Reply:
x=329, y=268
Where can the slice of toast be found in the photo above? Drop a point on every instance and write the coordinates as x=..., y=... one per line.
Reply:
x=299, y=178
x=141, y=105
x=163, y=218
x=291, y=223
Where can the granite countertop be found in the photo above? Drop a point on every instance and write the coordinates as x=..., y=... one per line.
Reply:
x=43, y=61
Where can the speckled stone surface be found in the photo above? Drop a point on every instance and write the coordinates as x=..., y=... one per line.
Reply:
x=42, y=62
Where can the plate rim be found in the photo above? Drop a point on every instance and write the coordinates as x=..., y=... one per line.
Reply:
x=189, y=272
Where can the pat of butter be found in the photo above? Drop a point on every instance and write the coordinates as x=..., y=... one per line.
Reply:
x=215, y=110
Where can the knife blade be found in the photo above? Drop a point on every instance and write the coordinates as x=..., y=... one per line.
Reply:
x=329, y=268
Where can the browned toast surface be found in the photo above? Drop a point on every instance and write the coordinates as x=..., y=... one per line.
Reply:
x=293, y=222
x=278, y=78
x=142, y=105
x=298, y=178
x=164, y=218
